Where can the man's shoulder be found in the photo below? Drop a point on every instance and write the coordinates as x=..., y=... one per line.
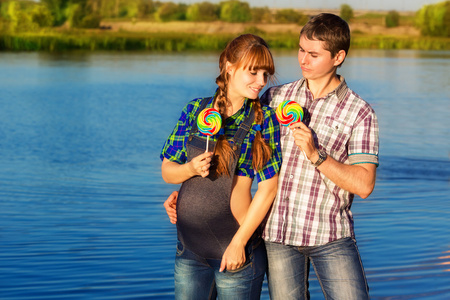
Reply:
x=280, y=91
x=283, y=88
x=355, y=99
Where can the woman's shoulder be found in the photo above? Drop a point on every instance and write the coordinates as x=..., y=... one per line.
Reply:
x=267, y=110
x=192, y=106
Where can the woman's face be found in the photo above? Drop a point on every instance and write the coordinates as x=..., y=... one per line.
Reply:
x=245, y=83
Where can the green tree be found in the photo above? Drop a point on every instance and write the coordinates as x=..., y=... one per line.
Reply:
x=346, y=12
x=57, y=9
x=434, y=20
x=146, y=8
x=42, y=16
x=235, y=11
x=204, y=11
x=261, y=15
x=392, y=19
x=290, y=16
x=80, y=14
x=170, y=11
x=18, y=17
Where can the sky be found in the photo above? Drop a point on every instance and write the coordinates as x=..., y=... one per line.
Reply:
x=398, y=5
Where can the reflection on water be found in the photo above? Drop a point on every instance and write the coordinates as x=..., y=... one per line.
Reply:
x=81, y=194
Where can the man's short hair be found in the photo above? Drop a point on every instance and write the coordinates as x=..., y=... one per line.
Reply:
x=331, y=29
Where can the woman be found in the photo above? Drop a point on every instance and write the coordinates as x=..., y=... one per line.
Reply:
x=217, y=220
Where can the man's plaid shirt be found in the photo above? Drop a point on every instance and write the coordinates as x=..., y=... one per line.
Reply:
x=175, y=147
x=309, y=209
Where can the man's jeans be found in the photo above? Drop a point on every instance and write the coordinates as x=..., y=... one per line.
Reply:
x=197, y=278
x=337, y=265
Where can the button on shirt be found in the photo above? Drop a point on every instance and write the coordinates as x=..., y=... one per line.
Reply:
x=309, y=209
x=175, y=147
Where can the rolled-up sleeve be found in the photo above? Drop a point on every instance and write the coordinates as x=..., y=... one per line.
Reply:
x=174, y=148
x=271, y=134
x=364, y=141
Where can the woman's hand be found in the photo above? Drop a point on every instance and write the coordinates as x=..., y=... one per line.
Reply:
x=234, y=256
x=173, y=172
x=171, y=207
x=200, y=165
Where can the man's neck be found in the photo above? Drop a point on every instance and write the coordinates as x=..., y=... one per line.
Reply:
x=322, y=87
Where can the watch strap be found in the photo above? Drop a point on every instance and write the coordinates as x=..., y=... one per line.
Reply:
x=322, y=157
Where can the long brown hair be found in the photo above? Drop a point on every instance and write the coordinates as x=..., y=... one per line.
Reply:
x=251, y=52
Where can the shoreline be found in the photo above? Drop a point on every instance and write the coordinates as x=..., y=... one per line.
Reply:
x=178, y=36
x=220, y=27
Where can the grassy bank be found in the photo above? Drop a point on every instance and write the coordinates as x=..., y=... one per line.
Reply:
x=179, y=41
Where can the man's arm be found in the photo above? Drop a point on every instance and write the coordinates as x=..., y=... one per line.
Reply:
x=356, y=179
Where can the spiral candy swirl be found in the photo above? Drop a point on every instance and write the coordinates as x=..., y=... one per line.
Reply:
x=289, y=112
x=209, y=121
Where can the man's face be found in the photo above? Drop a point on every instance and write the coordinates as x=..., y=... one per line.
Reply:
x=316, y=62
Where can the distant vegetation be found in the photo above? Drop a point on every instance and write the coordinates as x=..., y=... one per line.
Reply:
x=434, y=20
x=74, y=24
x=346, y=12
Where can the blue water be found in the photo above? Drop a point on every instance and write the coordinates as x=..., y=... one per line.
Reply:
x=81, y=193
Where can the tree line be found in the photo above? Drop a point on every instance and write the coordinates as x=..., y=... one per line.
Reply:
x=27, y=15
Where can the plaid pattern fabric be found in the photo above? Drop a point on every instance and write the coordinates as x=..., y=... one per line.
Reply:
x=309, y=209
x=175, y=147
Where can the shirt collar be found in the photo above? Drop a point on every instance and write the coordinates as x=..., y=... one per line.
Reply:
x=340, y=91
x=246, y=106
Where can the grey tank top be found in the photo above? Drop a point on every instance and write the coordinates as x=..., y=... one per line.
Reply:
x=205, y=223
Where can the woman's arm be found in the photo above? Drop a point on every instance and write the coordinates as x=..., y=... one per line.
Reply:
x=173, y=172
x=234, y=256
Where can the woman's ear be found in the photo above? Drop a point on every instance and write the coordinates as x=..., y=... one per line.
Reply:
x=229, y=67
x=339, y=58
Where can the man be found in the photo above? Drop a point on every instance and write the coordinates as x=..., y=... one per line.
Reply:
x=311, y=221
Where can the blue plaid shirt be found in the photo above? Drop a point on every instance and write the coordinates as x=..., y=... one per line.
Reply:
x=174, y=148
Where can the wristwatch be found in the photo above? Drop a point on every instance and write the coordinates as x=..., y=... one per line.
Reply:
x=322, y=157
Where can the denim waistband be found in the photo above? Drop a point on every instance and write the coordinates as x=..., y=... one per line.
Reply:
x=254, y=242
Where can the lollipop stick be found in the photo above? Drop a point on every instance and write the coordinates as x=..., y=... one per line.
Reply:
x=207, y=144
x=304, y=154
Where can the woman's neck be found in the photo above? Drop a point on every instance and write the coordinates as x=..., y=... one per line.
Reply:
x=234, y=103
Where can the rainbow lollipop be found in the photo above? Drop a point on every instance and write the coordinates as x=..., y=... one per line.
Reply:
x=289, y=112
x=209, y=122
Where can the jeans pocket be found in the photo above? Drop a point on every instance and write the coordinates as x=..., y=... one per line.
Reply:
x=180, y=249
x=248, y=264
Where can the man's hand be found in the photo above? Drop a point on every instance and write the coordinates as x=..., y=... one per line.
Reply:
x=171, y=207
x=304, y=139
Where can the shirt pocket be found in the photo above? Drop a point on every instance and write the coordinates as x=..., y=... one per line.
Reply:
x=334, y=135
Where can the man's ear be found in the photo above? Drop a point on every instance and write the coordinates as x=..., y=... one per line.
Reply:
x=339, y=58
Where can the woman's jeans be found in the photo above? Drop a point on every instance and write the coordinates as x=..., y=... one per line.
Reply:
x=198, y=278
x=337, y=266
